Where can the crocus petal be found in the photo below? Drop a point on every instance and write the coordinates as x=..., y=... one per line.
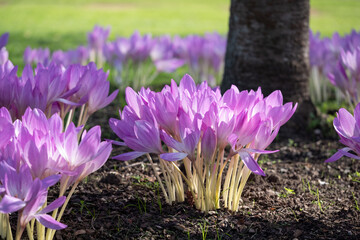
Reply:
x=51, y=180
x=68, y=102
x=173, y=156
x=350, y=155
x=54, y=205
x=6, y=132
x=250, y=150
x=10, y=204
x=115, y=142
x=338, y=155
x=208, y=144
x=345, y=123
x=250, y=162
x=49, y=222
x=4, y=39
x=128, y=156
x=171, y=142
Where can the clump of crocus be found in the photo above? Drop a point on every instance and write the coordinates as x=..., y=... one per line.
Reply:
x=329, y=60
x=36, y=153
x=347, y=127
x=137, y=60
x=346, y=75
x=204, y=56
x=196, y=124
x=55, y=89
x=80, y=55
x=35, y=56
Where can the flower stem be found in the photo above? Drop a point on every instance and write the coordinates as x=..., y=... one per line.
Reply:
x=30, y=233
x=19, y=228
x=158, y=178
x=51, y=232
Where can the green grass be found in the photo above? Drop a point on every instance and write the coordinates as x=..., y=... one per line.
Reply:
x=328, y=16
x=63, y=24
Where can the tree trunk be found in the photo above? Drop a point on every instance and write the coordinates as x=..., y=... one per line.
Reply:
x=267, y=46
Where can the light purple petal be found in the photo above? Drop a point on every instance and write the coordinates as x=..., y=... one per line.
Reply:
x=115, y=142
x=68, y=102
x=345, y=123
x=338, y=155
x=4, y=39
x=6, y=132
x=274, y=99
x=10, y=204
x=171, y=142
x=259, y=151
x=51, y=180
x=128, y=156
x=350, y=155
x=49, y=222
x=208, y=144
x=54, y=205
x=173, y=156
x=250, y=162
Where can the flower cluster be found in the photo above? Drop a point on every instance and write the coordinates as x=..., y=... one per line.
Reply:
x=197, y=123
x=37, y=149
x=138, y=60
x=346, y=75
x=36, y=153
x=38, y=55
x=330, y=59
x=55, y=89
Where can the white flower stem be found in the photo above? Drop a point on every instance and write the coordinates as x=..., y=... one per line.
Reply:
x=30, y=233
x=158, y=178
x=51, y=233
x=9, y=235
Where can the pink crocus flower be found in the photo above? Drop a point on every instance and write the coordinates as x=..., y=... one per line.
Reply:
x=189, y=136
x=140, y=135
x=22, y=193
x=347, y=127
x=98, y=37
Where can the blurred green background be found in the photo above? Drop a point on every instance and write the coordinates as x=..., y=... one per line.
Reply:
x=63, y=24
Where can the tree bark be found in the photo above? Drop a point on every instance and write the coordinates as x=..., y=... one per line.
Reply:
x=267, y=46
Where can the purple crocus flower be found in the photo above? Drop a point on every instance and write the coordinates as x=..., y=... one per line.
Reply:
x=99, y=94
x=140, y=135
x=348, y=128
x=92, y=87
x=98, y=37
x=346, y=74
x=189, y=136
x=81, y=159
x=28, y=195
x=36, y=143
x=162, y=55
x=36, y=56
